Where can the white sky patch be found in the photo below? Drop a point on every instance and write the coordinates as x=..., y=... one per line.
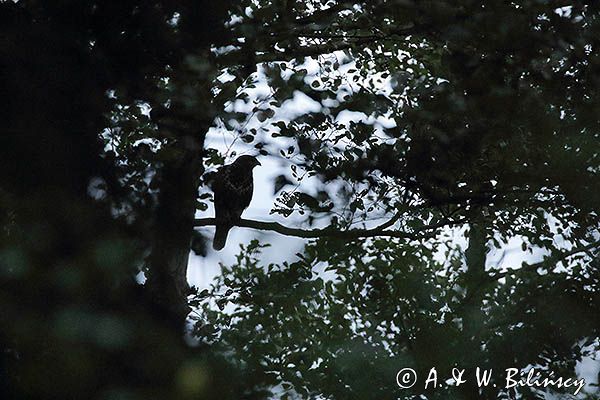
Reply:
x=144, y=109
x=347, y=116
x=300, y=104
x=174, y=21
x=234, y=20
x=511, y=256
x=564, y=12
x=224, y=49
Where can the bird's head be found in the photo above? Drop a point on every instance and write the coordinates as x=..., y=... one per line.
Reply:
x=247, y=161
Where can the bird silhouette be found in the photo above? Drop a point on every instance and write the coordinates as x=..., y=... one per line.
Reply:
x=233, y=187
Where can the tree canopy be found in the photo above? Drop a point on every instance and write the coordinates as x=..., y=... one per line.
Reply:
x=417, y=138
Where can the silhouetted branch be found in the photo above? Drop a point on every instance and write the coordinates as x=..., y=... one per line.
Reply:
x=554, y=258
x=426, y=231
x=342, y=41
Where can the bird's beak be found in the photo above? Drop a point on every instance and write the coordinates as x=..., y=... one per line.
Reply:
x=258, y=163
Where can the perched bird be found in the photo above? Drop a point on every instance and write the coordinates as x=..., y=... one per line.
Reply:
x=233, y=188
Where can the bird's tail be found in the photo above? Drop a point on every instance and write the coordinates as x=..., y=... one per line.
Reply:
x=220, y=236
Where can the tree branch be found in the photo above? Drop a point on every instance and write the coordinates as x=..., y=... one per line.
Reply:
x=390, y=222
x=308, y=51
x=323, y=14
x=343, y=41
x=555, y=259
x=426, y=231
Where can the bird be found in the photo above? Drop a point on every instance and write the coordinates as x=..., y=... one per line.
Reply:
x=232, y=187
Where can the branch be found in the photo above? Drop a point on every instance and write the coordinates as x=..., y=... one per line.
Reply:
x=427, y=231
x=344, y=42
x=308, y=51
x=556, y=259
x=320, y=15
x=389, y=223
